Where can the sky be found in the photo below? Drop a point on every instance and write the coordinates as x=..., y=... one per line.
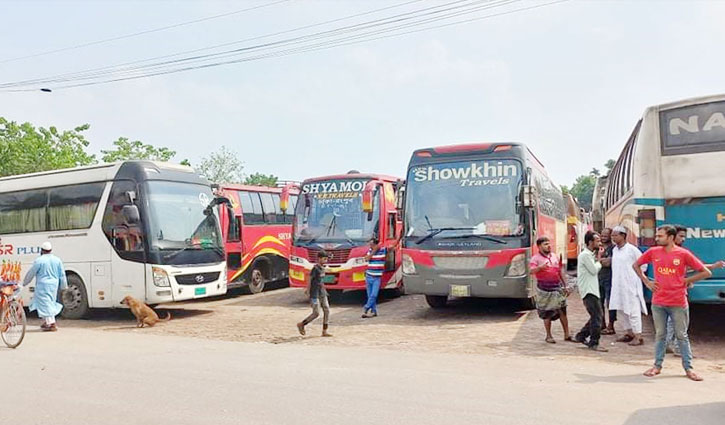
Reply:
x=570, y=80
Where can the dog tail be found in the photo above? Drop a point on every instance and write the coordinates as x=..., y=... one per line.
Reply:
x=167, y=318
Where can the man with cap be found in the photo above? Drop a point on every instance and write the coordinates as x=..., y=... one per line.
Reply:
x=627, y=294
x=49, y=274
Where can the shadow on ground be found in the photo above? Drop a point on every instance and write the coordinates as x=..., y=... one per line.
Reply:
x=701, y=414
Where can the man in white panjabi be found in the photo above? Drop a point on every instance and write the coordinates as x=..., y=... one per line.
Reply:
x=627, y=295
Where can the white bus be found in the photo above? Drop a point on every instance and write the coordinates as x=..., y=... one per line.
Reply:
x=138, y=228
x=670, y=172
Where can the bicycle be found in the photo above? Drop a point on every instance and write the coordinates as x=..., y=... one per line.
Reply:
x=12, y=315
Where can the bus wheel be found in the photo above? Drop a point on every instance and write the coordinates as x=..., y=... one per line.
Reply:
x=257, y=281
x=436, y=301
x=74, y=299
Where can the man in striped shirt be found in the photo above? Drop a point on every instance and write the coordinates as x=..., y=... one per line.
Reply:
x=376, y=266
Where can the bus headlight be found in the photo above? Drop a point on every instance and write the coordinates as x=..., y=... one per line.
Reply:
x=517, y=267
x=360, y=261
x=160, y=277
x=408, y=265
x=296, y=260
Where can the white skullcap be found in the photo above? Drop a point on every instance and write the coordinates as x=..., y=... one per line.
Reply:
x=619, y=229
x=46, y=246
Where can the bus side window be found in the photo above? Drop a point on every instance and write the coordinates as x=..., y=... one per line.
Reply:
x=251, y=207
x=124, y=234
x=268, y=207
x=235, y=223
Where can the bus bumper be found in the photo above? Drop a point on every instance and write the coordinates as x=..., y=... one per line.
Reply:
x=489, y=283
x=708, y=292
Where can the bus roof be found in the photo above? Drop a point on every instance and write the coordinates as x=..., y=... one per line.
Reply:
x=77, y=175
x=371, y=176
x=689, y=101
x=465, y=148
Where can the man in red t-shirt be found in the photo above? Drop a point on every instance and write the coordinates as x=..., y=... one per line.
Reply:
x=670, y=264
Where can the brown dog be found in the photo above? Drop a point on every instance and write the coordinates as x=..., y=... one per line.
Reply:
x=144, y=314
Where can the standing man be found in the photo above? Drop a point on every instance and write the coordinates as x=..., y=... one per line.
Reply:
x=605, y=281
x=670, y=294
x=49, y=274
x=551, y=291
x=318, y=296
x=627, y=294
x=376, y=266
x=588, y=282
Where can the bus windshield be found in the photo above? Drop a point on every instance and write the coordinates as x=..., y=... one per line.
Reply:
x=180, y=221
x=466, y=197
x=332, y=212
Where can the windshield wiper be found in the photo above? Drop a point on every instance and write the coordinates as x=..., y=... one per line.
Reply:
x=216, y=249
x=434, y=232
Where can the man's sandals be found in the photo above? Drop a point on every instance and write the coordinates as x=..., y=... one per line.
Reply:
x=654, y=371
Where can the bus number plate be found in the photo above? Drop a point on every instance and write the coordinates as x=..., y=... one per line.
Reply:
x=199, y=291
x=460, y=290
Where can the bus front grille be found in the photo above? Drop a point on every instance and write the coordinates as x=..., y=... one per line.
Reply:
x=197, y=279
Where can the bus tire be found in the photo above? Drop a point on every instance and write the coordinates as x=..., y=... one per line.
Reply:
x=436, y=301
x=74, y=299
x=257, y=279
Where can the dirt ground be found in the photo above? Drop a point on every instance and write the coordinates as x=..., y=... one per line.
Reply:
x=470, y=326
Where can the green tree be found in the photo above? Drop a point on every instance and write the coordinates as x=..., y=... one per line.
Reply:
x=222, y=166
x=564, y=190
x=583, y=190
x=594, y=172
x=125, y=150
x=259, y=179
x=610, y=165
x=27, y=149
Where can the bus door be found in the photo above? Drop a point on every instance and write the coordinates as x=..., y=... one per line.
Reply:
x=123, y=227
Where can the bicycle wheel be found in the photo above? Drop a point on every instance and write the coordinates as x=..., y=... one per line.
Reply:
x=12, y=324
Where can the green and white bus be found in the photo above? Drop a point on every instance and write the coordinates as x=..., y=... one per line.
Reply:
x=139, y=228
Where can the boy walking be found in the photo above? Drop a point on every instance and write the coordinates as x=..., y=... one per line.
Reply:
x=588, y=281
x=318, y=296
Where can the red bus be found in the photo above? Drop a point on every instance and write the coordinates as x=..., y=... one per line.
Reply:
x=472, y=216
x=257, y=236
x=340, y=214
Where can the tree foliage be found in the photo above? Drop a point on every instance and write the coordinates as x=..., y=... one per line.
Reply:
x=583, y=190
x=27, y=149
x=610, y=165
x=259, y=179
x=222, y=166
x=125, y=150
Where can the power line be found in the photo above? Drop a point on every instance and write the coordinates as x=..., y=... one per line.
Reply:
x=458, y=4
x=122, y=67
x=136, y=34
x=350, y=40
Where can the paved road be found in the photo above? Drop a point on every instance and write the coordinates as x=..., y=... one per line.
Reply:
x=89, y=376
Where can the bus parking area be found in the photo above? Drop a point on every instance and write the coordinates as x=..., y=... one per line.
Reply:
x=467, y=326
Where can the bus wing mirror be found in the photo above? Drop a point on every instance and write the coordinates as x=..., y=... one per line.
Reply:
x=284, y=197
x=367, y=198
x=131, y=214
x=529, y=196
